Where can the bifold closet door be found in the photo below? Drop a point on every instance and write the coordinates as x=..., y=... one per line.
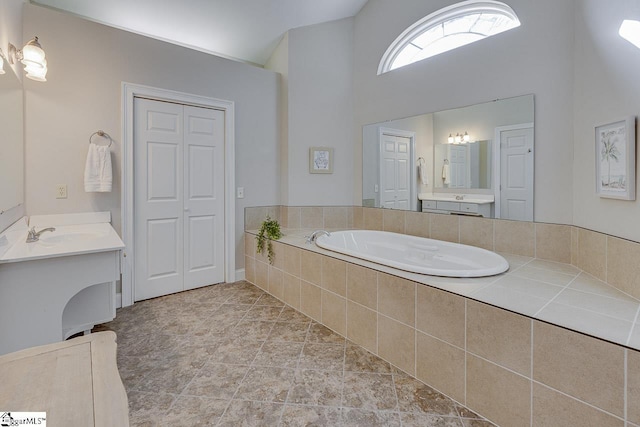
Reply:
x=178, y=201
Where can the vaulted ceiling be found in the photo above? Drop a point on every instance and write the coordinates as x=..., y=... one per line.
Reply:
x=247, y=30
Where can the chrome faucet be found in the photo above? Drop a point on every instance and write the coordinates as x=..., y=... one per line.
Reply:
x=34, y=235
x=313, y=236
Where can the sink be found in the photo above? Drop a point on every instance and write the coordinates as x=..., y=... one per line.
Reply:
x=54, y=238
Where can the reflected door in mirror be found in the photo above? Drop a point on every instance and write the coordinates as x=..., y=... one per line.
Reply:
x=395, y=172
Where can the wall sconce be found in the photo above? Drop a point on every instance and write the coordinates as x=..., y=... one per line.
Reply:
x=459, y=138
x=32, y=57
x=630, y=31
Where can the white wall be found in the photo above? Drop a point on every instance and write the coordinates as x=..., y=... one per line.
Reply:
x=534, y=58
x=320, y=112
x=607, y=89
x=87, y=63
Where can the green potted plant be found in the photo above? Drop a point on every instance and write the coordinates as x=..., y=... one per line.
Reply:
x=270, y=230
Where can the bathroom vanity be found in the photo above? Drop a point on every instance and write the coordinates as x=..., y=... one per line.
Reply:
x=60, y=285
x=465, y=204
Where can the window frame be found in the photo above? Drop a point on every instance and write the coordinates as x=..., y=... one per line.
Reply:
x=438, y=17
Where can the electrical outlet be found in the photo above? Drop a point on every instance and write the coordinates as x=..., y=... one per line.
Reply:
x=61, y=191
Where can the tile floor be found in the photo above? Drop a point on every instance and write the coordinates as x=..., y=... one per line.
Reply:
x=232, y=355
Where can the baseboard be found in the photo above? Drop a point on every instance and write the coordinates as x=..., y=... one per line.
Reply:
x=240, y=274
x=118, y=299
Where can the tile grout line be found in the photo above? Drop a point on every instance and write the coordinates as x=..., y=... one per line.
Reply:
x=531, y=341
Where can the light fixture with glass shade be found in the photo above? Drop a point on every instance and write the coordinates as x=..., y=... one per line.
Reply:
x=459, y=138
x=32, y=57
x=1, y=62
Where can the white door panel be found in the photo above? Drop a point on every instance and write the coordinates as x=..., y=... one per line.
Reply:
x=179, y=197
x=516, y=174
x=395, y=172
x=204, y=224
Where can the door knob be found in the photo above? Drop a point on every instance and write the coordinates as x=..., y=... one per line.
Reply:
x=186, y=209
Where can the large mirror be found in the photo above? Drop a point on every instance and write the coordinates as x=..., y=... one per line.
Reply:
x=11, y=142
x=475, y=160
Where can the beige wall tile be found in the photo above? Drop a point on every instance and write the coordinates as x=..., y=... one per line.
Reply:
x=335, y=217
x=396, y=343
x=292, y=260
x=249, y=245
x=477, y=232
x=278, y=252
x=276, y=287
x=372, y=218
x=500, y=395
x=551, y=409
x=273, y=212
x=311, y=300
x=445, y=227
x=250, y=269
x=358, y=218
x=440, y=365
x=362, y=285
x=440, y=314
x=311, y=217
x=262, y=275
x=583, y=367
x=633, y=386
x=393, y=220
x=499, y=336
x=293, y=217
x=574, y=246
x=254, y=216
x=553, y=242
x=284, y=216
x=592, y=253
x=334, y=275
x=417, y=224
x=334, y=312
x=291, y=290
x=311, y=267
x=397, y=298
x=515, y=237
x=623, y=266
x=350, y=217
x=362, y=326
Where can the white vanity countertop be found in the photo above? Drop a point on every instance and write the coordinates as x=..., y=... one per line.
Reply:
x=70, y=239
x=478, y=199
x=557, y=293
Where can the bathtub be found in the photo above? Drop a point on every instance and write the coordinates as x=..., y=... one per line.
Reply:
x=415, y=254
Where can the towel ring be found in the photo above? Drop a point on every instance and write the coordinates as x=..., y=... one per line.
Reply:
x=446, y=161
x=421, y=160
x=102, y=134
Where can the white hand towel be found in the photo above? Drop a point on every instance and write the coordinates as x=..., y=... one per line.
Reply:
x=422, y=171
x=98, y=176
x=446, y=174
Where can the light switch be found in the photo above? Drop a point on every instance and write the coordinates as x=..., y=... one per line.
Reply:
x=240, y=193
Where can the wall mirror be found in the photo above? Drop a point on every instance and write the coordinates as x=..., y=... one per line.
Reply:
x=476, y=155
x=11, y=141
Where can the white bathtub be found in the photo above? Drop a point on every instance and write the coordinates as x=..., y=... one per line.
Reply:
x=415, y=254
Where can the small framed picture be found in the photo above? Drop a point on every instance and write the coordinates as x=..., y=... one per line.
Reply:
x=320, y=160
x=616, y=159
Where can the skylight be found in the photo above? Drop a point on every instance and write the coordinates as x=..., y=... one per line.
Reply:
x=447, y=29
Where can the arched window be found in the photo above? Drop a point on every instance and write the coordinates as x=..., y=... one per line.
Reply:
x=447, y=29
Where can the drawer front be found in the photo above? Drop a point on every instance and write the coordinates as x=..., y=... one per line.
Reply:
x=448, y=206
x=429, y=204
x=469, y=207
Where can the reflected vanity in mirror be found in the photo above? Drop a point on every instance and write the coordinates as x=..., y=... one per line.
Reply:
x=11, y=142
x=475, y=160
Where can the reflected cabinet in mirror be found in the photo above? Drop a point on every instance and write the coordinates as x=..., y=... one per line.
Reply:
x=11, y=142
x=475, y=160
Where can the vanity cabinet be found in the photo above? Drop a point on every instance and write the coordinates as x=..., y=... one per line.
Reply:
x=458, y=207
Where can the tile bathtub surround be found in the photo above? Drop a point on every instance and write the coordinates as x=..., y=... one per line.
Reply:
x=608, y=258
x=473, y=351
x=231, y=354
